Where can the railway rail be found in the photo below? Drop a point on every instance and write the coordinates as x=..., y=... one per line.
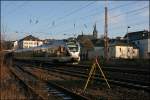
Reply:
x=126, y=69
x=121, y=82
x=82, y=71
x=55, y=89
x=31, y=92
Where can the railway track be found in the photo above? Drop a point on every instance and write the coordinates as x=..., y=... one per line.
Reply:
x=31, y=93
x=82, y=71
x=121, y=82
x=54, y=89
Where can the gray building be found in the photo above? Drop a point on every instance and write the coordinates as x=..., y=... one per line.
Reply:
x=142, y=40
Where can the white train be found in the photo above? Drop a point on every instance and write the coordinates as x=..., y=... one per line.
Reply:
x=55, y=51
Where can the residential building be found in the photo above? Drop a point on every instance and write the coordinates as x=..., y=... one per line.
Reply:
x=29, y=41
x=142, y=40
x=15, y=45
x=116, y=50
x=86, y=46
x=123, y=50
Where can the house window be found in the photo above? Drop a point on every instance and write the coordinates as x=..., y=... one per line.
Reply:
x=133, y=51
x=128, y=50
x=120, y=49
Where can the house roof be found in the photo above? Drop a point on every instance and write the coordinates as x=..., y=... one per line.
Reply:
x=30, y=37
x=98, y=42
x=124, y=44
x=86, y=43
x=91, y=37
x=138, y=35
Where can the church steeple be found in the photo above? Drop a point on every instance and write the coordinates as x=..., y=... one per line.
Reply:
x=95, y=31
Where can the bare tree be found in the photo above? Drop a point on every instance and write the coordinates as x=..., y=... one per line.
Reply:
x=2, y=36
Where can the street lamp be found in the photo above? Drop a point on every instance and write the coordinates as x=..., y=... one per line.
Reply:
x=128, y=28
x=127, y=33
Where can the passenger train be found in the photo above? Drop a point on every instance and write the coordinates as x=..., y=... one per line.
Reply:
x=55, y=51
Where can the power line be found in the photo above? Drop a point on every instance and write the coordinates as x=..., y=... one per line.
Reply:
x=73, y=11
x=133, y=24
x=123, y=5
x=135, y=10
x=17, y=8
x=128, y=19
x=130, y=11
x=101, y=13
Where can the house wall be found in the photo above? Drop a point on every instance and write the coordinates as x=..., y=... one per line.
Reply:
x=148, y=45
x=124, y=52
x=97, y=52
x=20, y=44
x=112, y=52
x=29, y=44
x=15, y=45
x=135, y=53
x=144, y=48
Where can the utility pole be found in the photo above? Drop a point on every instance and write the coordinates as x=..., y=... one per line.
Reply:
x=106, y=33
x=0, y=42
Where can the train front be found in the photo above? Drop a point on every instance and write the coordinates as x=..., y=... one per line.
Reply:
x=74, y=50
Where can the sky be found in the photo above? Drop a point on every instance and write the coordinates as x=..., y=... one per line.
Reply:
x=63, y=19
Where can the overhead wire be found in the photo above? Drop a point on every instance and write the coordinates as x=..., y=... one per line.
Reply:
x=130, y=12
x=135, y=10
x=17, y=8
x=64, y=22
x=73, y=11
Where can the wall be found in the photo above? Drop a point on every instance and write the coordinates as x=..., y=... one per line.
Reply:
x=144, y=47
x=124, y=52
x=114, y=52
x=135, y=53
x=28, y=44
x=148, y=45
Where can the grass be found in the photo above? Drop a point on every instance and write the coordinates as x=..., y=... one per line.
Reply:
x=8, y=86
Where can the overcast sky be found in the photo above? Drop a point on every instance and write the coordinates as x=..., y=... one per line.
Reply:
x=63, y=19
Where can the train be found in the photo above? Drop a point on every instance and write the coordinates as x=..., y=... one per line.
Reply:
x=66, y=50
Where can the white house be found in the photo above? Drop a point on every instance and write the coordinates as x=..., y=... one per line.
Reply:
x=15, y=45
x=29, y=42
x=115, y=51
x=123, y=50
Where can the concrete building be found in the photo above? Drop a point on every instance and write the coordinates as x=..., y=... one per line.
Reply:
x=142, y=40
x=29, y=41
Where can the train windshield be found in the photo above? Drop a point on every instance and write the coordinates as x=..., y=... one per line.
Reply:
x=73, y=47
